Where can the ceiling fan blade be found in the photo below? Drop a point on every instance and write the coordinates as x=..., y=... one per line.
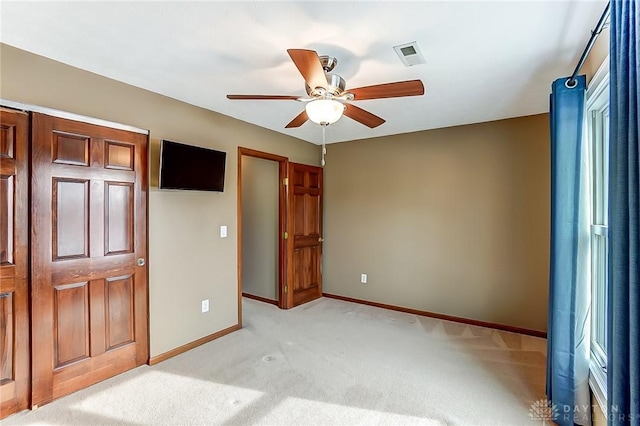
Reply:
x=388, y=90
x=362, y=116
x=264, y=97
x=309, y=66
x=299, y=120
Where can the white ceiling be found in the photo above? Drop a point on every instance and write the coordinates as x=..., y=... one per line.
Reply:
x=485, y=60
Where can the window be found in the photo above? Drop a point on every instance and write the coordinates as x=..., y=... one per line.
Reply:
x=597, y=121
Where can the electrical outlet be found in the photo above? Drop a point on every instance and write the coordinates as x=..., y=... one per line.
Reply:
x=205, y=306
x=363, y=278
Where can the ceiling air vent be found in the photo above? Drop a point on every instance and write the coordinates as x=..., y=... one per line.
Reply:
x=409, y=54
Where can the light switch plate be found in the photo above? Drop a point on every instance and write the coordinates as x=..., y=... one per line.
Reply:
x=223, y=231
x=363, y=278
x=205, y=306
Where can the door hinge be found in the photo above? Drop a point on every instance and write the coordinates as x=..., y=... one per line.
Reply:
x=286, y=235
x=286, y=289
x=285, y=181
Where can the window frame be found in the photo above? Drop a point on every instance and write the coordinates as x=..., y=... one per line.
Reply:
x=596, y=112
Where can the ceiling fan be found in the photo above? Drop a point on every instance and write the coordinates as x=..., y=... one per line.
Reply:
x=328, y=99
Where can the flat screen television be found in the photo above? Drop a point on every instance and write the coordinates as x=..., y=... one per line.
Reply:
x=191, y=167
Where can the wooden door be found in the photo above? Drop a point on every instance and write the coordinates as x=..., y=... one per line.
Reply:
x=14, y=238
x=305, y=234
x=89, y=224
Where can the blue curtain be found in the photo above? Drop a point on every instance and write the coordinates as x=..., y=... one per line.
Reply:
x=623, y=363
x=568, y=329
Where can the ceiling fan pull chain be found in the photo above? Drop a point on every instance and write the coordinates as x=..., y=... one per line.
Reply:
x=324, y=141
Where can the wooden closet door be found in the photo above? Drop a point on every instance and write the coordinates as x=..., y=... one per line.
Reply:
x=89, y=224
x=14, y=238
x=305, y=234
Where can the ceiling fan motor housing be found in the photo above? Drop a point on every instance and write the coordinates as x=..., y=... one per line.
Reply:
x=335, y=83
x=335, y=87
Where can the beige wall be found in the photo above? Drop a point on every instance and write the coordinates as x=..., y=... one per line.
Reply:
x=453, y=221
x=188, y=261
x=260, y=192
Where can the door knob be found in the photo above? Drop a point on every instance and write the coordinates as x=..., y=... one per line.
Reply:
x=320, y=239
x=141, y=261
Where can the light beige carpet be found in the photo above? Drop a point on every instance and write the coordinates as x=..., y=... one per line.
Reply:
x=324, y=363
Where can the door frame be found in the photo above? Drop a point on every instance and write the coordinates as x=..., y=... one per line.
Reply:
x=283, y=170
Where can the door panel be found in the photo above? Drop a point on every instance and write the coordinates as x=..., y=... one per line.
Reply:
x=119, y=212
x=71, y=323
x=89, y=310
x=305, y=241
x=7, y=208
x=70, y=216
x=14, y=234
x=119, y=156
x=70, y=149
x=120, y=311
x=6, y=338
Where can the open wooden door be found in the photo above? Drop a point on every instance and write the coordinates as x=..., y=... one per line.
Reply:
x=304, y=249
x=89, y=245
x=14, y=240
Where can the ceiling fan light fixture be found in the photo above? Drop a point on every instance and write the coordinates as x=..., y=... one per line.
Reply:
x=324, y=111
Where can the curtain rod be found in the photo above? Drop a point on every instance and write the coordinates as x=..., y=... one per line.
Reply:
x=594, y=34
